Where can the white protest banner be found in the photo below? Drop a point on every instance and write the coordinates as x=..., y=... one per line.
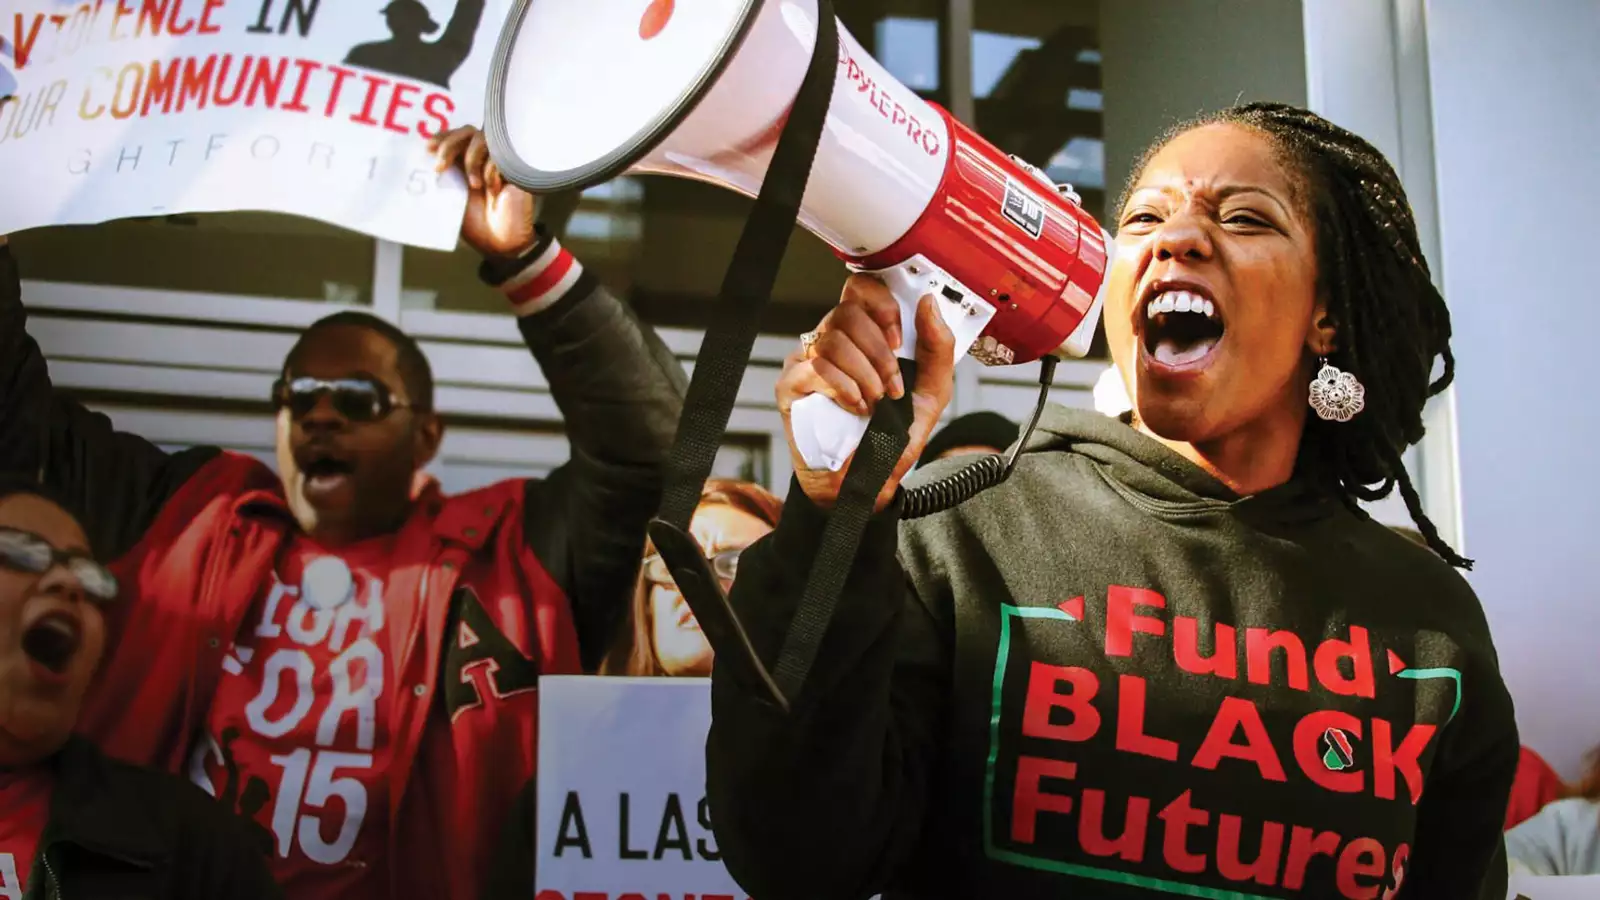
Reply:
x=319, y=108
x=622, y=811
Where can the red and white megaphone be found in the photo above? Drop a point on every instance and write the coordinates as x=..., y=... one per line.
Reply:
x=585, y=90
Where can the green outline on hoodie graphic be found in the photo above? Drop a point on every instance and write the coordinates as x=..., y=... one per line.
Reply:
x=1425, y=674
x=1113, y=876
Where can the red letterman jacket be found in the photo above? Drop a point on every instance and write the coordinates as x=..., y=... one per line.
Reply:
x=489, y=590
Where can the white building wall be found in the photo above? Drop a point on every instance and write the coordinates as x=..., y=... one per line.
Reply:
x=1516, y=112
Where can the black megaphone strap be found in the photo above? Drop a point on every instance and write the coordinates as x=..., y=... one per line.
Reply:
x=719, y=368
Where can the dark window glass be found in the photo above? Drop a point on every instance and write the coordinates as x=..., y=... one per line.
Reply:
x=1037, y=93
x=256, y=254
x=1036, y=89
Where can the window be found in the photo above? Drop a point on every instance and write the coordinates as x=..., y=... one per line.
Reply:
x=256, y=254
x=1037, y=93
x=909, y=49
x=1036, y=89
x=603, y=226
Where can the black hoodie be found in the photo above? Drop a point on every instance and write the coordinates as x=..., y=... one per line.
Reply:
x=1112, y=677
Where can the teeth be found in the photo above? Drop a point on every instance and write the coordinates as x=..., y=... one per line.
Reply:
x=1180, y=301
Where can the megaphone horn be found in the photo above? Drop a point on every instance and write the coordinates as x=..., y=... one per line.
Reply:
x=583, y=92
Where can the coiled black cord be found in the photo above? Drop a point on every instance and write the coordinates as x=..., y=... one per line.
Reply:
x=978, y=476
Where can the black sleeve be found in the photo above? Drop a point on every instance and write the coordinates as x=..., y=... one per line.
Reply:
x=1460, y=844
x=828, y=800
x=220, y=854
x=234, y=867
x=620, y=391
x=118, y=482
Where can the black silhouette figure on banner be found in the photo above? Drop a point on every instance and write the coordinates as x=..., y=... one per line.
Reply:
x=407, y=55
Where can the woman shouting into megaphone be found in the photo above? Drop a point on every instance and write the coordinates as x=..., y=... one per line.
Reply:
x=1170, y=655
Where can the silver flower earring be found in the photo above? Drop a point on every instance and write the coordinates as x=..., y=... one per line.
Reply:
x=1336, y=395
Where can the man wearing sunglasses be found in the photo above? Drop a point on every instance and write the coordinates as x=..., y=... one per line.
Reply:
x=340, y=651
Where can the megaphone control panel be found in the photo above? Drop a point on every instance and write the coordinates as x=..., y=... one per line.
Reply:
x=825, y=433
x=1028, y=265
x=1000, y=227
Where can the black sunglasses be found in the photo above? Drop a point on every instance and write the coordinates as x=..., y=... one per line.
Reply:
x=357, y=399
x=24, y=551
x=724, y=565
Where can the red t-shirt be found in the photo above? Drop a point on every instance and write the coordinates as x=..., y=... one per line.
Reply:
x=24, y=809
x=298, y=734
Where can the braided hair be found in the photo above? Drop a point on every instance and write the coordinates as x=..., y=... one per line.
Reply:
x=1391, y=321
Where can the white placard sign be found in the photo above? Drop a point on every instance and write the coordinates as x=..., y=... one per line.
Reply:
x=1546, y=887
x=622, y=812
x=320, y=108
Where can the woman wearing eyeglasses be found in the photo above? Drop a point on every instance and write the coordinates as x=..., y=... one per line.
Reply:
x=72, y=822
x=662, y=636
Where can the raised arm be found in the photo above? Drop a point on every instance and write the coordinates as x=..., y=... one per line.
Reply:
x=118, y=481
x=619, y=389
x=828, y=799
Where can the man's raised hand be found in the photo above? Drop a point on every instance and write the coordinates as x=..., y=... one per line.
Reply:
x=500, y=215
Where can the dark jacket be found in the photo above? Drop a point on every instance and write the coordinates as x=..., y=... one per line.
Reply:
x=125, y=832
x=1112, y=677
x=493, y=588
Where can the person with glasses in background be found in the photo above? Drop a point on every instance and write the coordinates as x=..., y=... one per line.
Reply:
x=348, y=661
x=73, y=823
x=662, y=636
x=660, y=639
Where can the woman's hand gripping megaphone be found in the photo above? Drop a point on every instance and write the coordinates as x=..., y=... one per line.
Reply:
x=853, y=363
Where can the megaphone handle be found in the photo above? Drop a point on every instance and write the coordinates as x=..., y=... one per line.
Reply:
x=827, y=434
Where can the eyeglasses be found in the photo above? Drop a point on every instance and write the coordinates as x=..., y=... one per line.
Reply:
x=724, y=565
x=356, y=399
x=24, y=551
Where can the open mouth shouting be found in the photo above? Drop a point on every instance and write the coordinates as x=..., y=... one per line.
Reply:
x=325, y=472
x=1182, y=327
x=51, y=641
